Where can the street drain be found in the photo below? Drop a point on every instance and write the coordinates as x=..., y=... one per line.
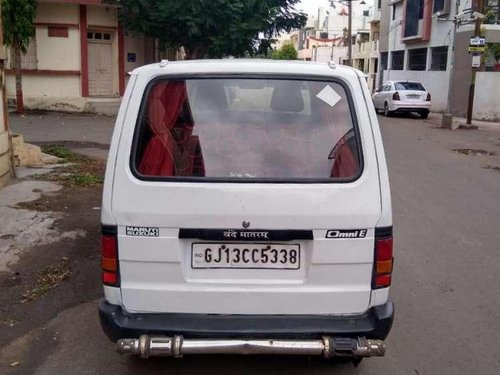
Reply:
x=471, y=151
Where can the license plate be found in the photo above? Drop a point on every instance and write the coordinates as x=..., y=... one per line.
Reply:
x=414, y=96
x=245, y=256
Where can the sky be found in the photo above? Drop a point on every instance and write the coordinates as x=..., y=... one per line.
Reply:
x=311, y=6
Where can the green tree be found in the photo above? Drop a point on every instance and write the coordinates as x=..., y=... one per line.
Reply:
x=287, y=52
x=214, y=28
x=18, y=18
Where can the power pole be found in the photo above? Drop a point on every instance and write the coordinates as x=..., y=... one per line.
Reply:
x=349, y=33
x=477, y=33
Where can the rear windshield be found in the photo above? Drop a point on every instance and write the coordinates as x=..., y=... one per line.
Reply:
x=246, y=129
x=416, y=86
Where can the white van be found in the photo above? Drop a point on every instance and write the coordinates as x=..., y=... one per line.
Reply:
x=246, y=209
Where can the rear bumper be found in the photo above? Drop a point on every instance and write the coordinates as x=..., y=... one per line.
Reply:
x=410, y=107
x=118, y=324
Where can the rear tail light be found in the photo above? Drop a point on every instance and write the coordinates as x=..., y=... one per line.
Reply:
x=428, y=97
x=395, y=96
x=383, y=262
x=109, y=256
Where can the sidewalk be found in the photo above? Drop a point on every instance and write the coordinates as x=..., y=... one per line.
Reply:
x=459, y=122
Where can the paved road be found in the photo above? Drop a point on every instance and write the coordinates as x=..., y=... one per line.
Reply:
x=446, y=284
x=88, y=134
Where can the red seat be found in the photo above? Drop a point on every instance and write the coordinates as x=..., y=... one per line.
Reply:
x=172, y=150
x=346, y=164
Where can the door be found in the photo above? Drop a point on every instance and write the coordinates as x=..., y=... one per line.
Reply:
x=287, y=247
x=100, y=59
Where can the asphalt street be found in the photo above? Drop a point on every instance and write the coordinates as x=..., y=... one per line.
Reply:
x=446, y=285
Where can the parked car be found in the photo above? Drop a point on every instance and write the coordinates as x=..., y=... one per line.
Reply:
x=246, y=209
x=402, y=96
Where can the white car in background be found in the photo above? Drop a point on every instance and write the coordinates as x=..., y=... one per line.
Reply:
x=402, y=96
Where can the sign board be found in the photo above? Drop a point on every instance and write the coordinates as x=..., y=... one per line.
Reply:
x=477, y=49
x=478, y=41
x=476, y=61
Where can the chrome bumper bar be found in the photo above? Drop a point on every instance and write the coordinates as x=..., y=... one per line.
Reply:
x=151, y=346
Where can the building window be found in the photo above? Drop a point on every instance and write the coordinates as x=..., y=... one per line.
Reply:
x=417, y=59
x=58, y=32
x=379, y=4
x=397, y=60
x=383, y=61
x=98, y=36
x=439, y=58
x=438, y=5
x=412, y=23
x=441, y=6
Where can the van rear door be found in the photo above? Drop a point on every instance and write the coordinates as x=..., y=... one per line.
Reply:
x=238, y=195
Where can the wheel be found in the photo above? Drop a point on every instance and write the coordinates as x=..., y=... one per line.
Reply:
x=387, y=113
x=424, y=114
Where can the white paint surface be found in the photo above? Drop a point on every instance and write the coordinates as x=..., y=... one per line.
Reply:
x=486, y=96
x=336, y=275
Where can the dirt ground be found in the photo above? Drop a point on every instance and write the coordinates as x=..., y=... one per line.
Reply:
x=79, y=258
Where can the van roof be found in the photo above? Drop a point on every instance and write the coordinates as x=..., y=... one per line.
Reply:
x=248, y=66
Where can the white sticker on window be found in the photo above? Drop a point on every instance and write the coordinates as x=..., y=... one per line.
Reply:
x=329, y=96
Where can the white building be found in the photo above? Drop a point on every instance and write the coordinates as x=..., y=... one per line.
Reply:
x=419, y=47
x=324, y=37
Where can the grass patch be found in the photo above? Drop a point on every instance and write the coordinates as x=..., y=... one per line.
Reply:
x=83, y=179
x=62, y=152
x=48, y=278
x=80, y=172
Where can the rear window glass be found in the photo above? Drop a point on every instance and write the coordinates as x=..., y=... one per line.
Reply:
x=246, y=129
x=416, y=86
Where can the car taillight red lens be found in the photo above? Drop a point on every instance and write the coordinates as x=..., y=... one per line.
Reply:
x=383, y=262
x=428, y=97
x=109, y=259
x=396, y=96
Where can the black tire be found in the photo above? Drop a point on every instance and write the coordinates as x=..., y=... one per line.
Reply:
x=387, y=113
x=424, y=114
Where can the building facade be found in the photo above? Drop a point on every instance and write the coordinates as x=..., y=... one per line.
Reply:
x=418, y=45
x=365, y=50
x=427, y=41
x=325, y=36
x=79, y=57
